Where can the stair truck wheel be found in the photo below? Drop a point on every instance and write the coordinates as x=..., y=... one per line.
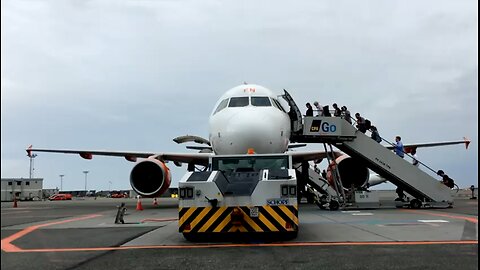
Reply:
x=334, y=205
x=415, y=204
x=321, y=202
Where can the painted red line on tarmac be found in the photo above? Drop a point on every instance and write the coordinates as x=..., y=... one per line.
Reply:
x=15, y=212
x=471, y=219
x=7, y=246
x=312, y=244
x=158, y=219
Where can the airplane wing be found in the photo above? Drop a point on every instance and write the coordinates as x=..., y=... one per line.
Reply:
x=296, y=145
x=409, y=147
x=209, y=148
x=202, y=158
x=195, y=158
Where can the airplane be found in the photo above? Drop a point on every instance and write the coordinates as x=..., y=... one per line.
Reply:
x=246, y=118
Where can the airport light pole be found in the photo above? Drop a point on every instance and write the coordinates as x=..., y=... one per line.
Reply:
x=61, y=181
x=85, y=172
x=31, y=164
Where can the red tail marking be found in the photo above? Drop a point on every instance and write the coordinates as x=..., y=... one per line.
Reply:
x=29, y=151
x=467, y=142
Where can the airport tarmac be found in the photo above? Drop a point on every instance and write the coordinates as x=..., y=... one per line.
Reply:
x=81, y=234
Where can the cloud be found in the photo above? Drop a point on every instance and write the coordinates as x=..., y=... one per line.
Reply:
x=131, y=75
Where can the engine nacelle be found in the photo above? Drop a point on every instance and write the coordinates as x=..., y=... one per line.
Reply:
x=353, y=172
x=150, y=178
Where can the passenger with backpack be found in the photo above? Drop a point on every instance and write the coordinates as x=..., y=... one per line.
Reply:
x=360, y=123
x=447, y=181
x=337, y=112
x=346, y=114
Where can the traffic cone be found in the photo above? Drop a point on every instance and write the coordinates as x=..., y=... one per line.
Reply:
x=155, y=202
x=15, y=202
x=139, y=205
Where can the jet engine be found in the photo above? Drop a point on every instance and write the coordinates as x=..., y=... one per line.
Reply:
x=150, y=177
x=353, y=172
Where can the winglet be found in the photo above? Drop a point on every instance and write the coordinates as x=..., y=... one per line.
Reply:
x=467, y=142
x=131, y=158
x=86, y=155
x=29, y=150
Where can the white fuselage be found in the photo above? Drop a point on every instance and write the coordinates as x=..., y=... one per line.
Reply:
x=249, y=117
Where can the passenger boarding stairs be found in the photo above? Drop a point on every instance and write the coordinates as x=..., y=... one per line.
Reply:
x=320, y=184
x=377, y=157
x=325, y=196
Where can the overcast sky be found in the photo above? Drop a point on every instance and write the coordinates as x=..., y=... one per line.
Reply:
x=132, y=75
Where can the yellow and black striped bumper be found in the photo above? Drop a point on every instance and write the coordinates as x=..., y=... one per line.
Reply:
x=282, y=218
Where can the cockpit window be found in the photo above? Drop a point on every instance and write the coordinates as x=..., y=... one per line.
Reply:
x=261, y=101
x=238, y=102
x=221, y=106
x=278, y=105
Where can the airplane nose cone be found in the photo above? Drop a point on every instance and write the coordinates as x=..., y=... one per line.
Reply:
x=264, y=132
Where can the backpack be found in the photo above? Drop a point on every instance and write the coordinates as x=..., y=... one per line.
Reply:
x=448, y=181
x=377, y=137
x=368, y=124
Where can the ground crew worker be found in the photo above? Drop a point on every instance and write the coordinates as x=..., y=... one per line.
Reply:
x=120, y=213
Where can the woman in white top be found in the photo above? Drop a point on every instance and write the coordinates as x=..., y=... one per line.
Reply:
x=318, y=108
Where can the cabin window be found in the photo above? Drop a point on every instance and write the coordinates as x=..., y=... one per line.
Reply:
x=238, y=102
x=221, y=106
x=10, y=183
x=27, y=183
x=261, y=101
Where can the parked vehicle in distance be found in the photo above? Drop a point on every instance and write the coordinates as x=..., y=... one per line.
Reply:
x=60, y=197
x=119, y=195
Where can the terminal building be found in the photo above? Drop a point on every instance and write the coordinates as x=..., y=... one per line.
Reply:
x=22, y=188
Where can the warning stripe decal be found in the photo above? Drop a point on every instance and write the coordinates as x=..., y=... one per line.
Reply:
x=281, y=218
x=208, y=220
x=267, y=212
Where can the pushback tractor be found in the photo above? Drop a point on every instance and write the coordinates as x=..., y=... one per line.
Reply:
x=241, y=196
